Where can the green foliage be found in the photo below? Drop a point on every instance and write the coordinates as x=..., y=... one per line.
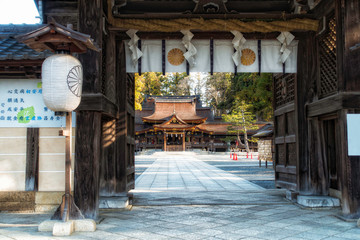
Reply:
x=253, y=89
x=217, y=87
x=156, y=84
x=242, y=120
x=223, y=91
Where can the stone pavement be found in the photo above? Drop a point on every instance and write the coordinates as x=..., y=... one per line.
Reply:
x=188, y=199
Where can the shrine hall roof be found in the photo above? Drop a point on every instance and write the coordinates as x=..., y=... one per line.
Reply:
x=165, y=110
x=174, y=99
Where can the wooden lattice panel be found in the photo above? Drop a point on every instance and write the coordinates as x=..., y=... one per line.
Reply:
x=327, y=55
x=130, y=89
x=103, y=66
x=284, y=87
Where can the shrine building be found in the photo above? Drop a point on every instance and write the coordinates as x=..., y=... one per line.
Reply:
x=180, y=123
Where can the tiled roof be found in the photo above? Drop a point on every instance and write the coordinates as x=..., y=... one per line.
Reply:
x=266, y=131
x=164, y=110
x=11, y=49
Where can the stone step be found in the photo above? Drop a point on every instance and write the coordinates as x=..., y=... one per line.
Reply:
x=318, y=201
x=122, y=202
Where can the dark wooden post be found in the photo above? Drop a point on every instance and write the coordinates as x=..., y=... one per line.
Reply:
x=348, y=52
x=305, y=75
x=88, y=123
x=32, y=159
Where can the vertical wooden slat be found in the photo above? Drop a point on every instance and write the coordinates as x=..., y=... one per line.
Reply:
x=259, y=55
x=121, y=79
x=163, y=57
x=140, y=59
x=211, y=56
x=235, y=67
x=32, y=160
x=187, y=68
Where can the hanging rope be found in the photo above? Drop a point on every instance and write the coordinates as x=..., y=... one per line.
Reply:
x=175, y=25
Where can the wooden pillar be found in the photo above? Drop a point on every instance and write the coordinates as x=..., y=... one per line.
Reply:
x=348, y=54
x=88, y=122
x=306, y=74
x=87, y=155
x=32, y=159
x=165, y=141
x=183, y=142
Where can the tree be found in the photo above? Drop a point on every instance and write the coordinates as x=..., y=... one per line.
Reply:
x=217, y=86
x=179, y=84
x=139, y=96
x=149, y=83
x=254, y=89
x=241, y=120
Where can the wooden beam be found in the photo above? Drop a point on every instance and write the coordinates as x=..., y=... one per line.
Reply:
x=286, y=169
x=197, y=35
x=180, y=7
x=284, y=109
x=344, y=100
x=99, y=103
x=323, y=8
x=32, y=160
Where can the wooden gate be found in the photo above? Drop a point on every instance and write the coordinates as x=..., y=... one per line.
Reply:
x=285, y=131
x=126, y=122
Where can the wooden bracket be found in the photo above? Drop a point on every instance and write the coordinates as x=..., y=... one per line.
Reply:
x=64, y=133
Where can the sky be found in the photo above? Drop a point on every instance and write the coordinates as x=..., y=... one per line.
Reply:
x=18, y=12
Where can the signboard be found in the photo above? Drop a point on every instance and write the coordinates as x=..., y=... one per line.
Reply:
x=353, y=133
x=22, y=105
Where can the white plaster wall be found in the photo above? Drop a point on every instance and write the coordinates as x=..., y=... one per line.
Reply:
x=52, y=160
x=12, y=159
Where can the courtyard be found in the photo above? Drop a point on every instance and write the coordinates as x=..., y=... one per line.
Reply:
x=187, y=195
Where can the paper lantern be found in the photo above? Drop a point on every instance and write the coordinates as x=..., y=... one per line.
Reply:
x=62, y=79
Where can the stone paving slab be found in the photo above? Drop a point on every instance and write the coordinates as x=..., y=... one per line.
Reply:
x=197, y=222
x=184, y=172
x=255, y=213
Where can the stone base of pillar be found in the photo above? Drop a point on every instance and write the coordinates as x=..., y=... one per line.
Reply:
x=318, y=201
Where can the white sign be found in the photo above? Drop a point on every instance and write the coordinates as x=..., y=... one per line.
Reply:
x=22, y=105
x=353, y=132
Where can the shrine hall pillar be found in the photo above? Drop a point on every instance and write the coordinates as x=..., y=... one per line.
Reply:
x=165, y=141
x=183, y=142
